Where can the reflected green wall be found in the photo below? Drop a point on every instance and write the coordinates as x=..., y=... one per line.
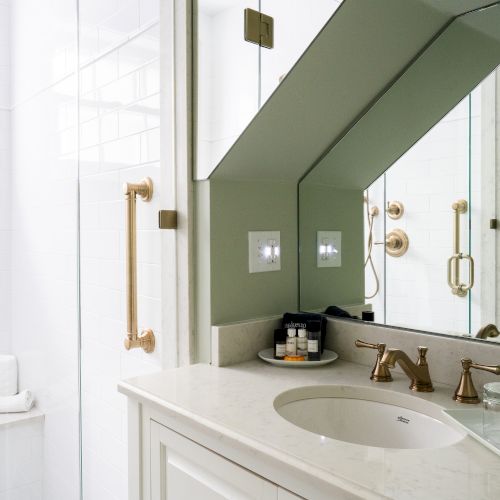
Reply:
x=325, y=208
x=228, y=210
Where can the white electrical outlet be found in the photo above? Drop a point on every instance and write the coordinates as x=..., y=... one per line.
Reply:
x=329, y=249
x=264, y=251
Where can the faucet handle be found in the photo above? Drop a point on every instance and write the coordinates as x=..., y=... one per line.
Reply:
x=465, y=391
x=422, y=355
x=380, y=373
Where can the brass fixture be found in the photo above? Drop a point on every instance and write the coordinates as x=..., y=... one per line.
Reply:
x=396, y=243
x=487, y=331
x=454, y=282
x=466, y=392
x=395, y=209
x=417, y=372
x=380, y=373
x=371, y=213
x=146, y=339
x=167, y=219
x=259, y=28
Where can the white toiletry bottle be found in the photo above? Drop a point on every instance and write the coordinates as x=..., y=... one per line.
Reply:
x=302, y=342
x=291, y=342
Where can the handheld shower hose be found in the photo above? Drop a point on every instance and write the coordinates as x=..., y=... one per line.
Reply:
x=371, y=213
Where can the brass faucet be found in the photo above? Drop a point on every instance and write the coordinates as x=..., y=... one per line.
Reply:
x=487, y=331
x=380, y=373
x=417, y=372
x=466, y=392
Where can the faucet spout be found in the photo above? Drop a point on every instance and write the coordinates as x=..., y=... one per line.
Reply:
x=417, y=372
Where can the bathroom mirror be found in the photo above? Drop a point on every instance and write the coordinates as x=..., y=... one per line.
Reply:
x=236, y=77
x=402, y=219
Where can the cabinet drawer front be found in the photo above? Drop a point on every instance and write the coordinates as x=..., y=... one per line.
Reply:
x=184, y=470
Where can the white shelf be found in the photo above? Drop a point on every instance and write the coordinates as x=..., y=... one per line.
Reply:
x=13, y=418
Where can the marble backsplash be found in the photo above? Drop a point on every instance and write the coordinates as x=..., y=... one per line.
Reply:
x=238, y=342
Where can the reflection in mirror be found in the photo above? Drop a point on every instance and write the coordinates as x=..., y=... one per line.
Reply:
x=419, y=242
x=446, y=166
x=236, y=77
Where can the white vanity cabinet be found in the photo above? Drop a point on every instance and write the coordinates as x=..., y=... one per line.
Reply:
x=175, y=455
x=183, y=470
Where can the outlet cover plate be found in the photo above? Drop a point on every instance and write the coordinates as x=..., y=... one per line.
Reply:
x=327, y=239
x=264, y=251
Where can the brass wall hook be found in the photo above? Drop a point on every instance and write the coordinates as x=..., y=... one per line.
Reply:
x=380, y=373
x=395, y=209
x=465, y=391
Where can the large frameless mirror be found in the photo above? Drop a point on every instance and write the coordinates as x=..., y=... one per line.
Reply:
x=413, y=237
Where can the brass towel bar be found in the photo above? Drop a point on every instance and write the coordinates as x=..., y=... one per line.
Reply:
x=146, y=339
x=454, y=282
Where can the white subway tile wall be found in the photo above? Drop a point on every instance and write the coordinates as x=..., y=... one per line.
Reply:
x=44, y=179
x=97, y=123
x=20, y=461
x=119, y=142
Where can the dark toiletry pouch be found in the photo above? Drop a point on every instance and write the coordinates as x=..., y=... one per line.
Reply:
x=301, y=320
x=337, y=311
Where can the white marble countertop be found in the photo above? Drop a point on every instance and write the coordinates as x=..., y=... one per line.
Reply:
x=237, y=401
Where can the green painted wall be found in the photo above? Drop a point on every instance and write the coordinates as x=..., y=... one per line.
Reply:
x=237, y=207
x=325, y=208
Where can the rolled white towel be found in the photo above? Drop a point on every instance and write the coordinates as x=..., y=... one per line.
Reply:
x=14, y=404
x=8, y=375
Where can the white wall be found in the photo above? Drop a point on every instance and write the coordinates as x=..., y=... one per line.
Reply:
x=119, y=141
x=21, y=456
x=5, y=208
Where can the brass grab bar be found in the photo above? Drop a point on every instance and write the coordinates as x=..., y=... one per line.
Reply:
x=454, y=282
x=146, y=339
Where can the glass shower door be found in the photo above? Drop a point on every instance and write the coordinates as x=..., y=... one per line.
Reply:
x=446, y=186
x=428, y=180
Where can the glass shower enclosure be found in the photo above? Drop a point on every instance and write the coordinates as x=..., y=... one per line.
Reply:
x=79, y=116
x=441, y=195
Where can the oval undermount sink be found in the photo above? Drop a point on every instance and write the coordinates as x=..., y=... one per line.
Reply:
x=367, y=416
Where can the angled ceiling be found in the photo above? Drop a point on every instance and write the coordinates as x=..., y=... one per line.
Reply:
x=365, y=51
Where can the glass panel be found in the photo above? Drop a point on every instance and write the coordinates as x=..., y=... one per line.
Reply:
x=427, y=180
x=227, y=79
x=119, y=142
x=39, y=456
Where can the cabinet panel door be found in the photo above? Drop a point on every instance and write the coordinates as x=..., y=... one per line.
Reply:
x=184, y=470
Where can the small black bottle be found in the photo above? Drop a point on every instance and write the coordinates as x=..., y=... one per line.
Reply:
x=280, y=336
x=314, y=341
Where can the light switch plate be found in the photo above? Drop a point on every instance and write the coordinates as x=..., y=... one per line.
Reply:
x=329, y=249
x=264, y=251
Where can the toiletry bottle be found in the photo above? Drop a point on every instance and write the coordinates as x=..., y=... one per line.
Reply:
x=302, y=342
x=314, y=341
x=291, y=342
x=280, y=337
x=368, y=316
